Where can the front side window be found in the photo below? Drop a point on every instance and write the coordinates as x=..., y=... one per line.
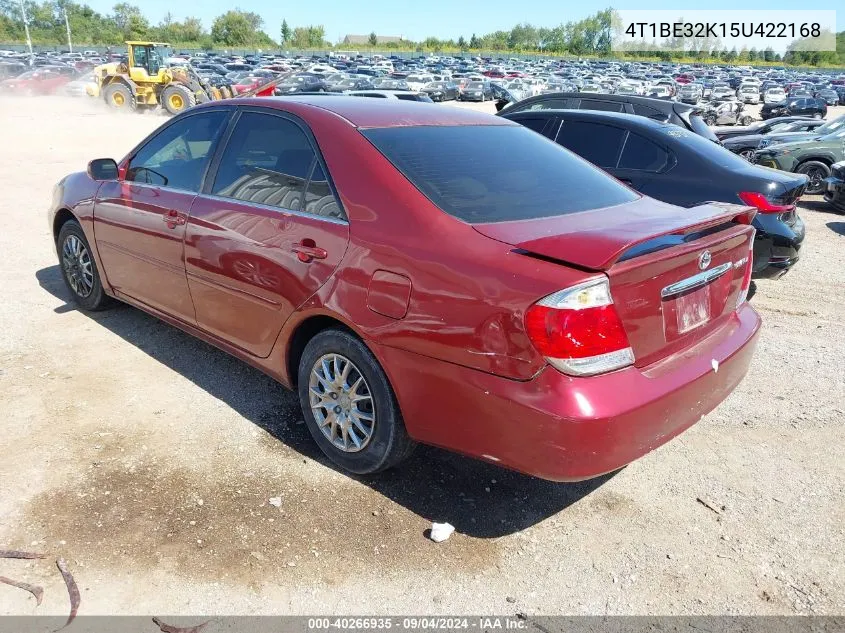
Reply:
x=267, y=160
x=177, y=157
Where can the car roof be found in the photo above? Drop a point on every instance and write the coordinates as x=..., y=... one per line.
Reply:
x=629, y=120
x=367, y=113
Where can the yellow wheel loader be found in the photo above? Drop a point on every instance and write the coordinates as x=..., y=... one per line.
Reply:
x=141, y=80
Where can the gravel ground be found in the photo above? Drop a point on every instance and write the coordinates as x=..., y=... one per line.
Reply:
x=146, y=459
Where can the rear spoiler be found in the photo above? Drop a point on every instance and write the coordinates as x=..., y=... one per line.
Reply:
x=597, y=239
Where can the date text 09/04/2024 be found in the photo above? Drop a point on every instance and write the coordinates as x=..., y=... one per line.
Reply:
x=416, y=623
x=723, y=29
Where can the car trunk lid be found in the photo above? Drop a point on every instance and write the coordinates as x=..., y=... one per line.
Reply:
x=675, y=276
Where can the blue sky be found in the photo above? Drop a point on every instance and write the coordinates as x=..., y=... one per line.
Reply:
x=420, y=18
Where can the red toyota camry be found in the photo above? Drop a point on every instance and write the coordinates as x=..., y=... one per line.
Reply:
x=421, y=273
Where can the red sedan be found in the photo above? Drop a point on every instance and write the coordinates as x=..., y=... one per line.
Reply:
x=422, y=274
x=35, y=82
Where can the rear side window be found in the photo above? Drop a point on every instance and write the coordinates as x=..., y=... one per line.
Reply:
x=319, y=198
x=641, y=154
x=600, y=144
x=464, y=171
x=267, y=160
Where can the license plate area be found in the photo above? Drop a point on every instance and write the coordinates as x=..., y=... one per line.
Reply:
x=692, y=310
x=687, y=311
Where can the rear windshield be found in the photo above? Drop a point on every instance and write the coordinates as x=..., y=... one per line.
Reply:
x=492, y=173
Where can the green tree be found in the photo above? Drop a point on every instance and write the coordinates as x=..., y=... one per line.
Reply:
x=286, y=33
x=238, y=28
x=462, y=43
x=130, y=22
x=474, y=41
x=309, y=37
x=373, y=39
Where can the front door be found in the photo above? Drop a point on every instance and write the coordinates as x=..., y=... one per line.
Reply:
x=139, y=220
x=266, y=233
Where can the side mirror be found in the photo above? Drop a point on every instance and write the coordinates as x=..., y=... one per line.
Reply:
x=102, y=169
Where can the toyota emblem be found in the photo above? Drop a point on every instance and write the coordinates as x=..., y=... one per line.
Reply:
x=704, y=260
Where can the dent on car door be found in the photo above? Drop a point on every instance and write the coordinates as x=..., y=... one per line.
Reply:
x=266, y=233
x=139, y=220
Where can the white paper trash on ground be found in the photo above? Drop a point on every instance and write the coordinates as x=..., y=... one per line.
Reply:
x=441, y=531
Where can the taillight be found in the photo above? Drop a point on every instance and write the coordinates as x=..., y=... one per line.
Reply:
x=746, y=278
x=760, y=202
x=578, y=330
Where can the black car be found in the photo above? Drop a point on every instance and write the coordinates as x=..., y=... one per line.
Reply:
x=681, y=114
x=747, y=144
x=676, y=166
x=835, y=186
x=477, y=91
x=442, y=90
x=829, y=96
x=804, y=106
x=758, y=127
x=350, y=83
x=301, y=83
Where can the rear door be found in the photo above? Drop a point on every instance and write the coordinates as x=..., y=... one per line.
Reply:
x=266, y=232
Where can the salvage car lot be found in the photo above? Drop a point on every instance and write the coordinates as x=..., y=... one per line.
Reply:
x=147, y=459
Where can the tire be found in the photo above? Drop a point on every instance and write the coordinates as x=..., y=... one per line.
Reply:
x=817, y=171
x=817, y=115
x=747, y=154
x=79, y=270
x=388, y=442
x=177, y=98
x=746, y=120
x=119, y=97
x=710, y=120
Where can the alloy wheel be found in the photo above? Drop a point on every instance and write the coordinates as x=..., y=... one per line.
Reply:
x=76, y=262
x=342, y=403
x=816, y=176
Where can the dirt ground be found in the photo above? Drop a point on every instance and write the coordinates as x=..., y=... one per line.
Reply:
x=146, y=459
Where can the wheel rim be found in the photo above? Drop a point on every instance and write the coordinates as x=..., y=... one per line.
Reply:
x=342, y=403
x=176, y=102
x=747, y=154
x=117, y=99
x=816, y=176
x=76, y=262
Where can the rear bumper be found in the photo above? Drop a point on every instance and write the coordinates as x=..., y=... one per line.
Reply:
x=567, y=429
x=777, y=245
x=835, y=192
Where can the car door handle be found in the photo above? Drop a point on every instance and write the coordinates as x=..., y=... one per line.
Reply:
x=307, y=250
x=173, y=218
